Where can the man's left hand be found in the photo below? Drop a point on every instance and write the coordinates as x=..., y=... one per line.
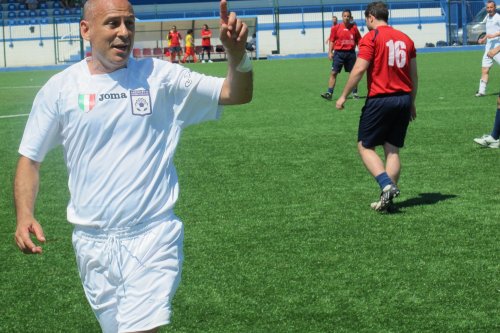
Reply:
x=233, y=32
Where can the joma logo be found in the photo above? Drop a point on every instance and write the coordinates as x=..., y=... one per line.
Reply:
x=102, y=97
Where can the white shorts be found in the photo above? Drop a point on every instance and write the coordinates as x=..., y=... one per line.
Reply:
x=130, y=277
x=487, y=61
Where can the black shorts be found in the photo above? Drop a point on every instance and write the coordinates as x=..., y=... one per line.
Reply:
x=175, y=49
x=385, y=119
x=206, y=48
x=345, y=59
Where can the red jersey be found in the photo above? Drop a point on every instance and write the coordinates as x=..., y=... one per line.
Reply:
x=205, y=41
x=389, y=52
x=174, y=38
x=345, y=39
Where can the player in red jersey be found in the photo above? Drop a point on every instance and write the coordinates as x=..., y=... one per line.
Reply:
x=342, y=50
x=389, y=57
x=206, y=45
x=174, y=37
x=332, y=29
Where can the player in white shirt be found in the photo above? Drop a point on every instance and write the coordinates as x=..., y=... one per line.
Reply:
x=492, y=39
x=119, y=121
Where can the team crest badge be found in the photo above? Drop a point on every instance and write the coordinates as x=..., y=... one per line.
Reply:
x=86, y=102
x=141, y=102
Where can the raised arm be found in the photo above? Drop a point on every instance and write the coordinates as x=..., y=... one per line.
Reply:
x=238, y=85
x=25, y=191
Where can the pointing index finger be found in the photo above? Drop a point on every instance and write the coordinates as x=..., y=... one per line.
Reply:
x=223, y=12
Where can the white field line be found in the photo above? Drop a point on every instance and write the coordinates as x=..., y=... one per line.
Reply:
x=20, y=87
x=14, y=115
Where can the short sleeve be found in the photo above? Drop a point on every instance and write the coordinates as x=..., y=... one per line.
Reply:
x=42, y=131
x=198, y=97
x=367, y=47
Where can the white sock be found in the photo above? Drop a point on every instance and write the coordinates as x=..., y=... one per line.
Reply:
x=482, y=86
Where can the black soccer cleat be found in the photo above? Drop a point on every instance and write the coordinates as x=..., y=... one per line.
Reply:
x=327, y=96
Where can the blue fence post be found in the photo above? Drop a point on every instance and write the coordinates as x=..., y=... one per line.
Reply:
x=464, y=23
x=419, y=27
x=303, y=31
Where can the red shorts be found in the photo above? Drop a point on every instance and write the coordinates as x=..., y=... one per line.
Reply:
x=189, y=51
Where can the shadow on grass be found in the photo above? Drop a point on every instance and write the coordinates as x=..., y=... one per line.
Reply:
x=422, y=199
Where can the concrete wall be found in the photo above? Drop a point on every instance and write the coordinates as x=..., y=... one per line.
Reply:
x=299, y=33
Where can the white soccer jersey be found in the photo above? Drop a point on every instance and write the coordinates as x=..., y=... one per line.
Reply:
x=119, y=132
x=492, y=26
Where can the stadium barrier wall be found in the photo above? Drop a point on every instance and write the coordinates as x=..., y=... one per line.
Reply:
x=301, y=30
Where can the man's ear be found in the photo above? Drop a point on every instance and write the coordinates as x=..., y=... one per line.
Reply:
x=84, y=30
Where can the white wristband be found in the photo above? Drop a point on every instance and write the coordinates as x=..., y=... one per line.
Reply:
x=245, y=65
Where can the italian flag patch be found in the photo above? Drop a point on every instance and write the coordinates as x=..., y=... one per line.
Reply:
x=86, y=102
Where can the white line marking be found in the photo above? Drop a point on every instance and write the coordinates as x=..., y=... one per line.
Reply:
x=14, y=115
x=21, y=87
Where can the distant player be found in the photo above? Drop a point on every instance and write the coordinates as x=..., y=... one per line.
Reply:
x=342, y=50
x=174, y=37
x=206, y=44
x=389, y=57
x=189, y=47
x=491, y=39
x=332, y=29
x=492, y=140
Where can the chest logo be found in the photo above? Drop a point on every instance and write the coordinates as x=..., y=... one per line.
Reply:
x=141, y=102
x=86, y=102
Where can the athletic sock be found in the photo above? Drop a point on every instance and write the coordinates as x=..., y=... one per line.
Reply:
x=383, y=180
x=330, y=90
x=496, y=127
x=355, y=91
x=482, y=86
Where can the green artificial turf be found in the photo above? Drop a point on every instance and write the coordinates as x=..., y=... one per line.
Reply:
x=279, y=235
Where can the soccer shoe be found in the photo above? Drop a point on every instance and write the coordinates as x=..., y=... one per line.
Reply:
x=479, y=94
x=355, y=95
x=327, y=96
x=487, y=141
x=210, y=61
x=388, y=193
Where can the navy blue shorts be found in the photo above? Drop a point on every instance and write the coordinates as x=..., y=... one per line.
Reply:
x=175, y=49
x=345, y=59
x=384, y=119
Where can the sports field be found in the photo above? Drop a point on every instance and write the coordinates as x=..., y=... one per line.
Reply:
x=279, y=234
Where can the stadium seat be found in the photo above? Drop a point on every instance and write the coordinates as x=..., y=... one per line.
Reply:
x=136, y=53
x=44, y=20
x=22, y=6
x=11, y=22
x=56, y=4
x=22, y=14
x=11, y=15
x=146, y=52
x=33, y=21
x=33, y=13
x=198, y=49
x=11, y=7
x=77, y=11
x=56, y=12
x=43, y=13
x=158, y=52
x=21, y=22
x=12, y=1
x=42, y=5
x=67, y=12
